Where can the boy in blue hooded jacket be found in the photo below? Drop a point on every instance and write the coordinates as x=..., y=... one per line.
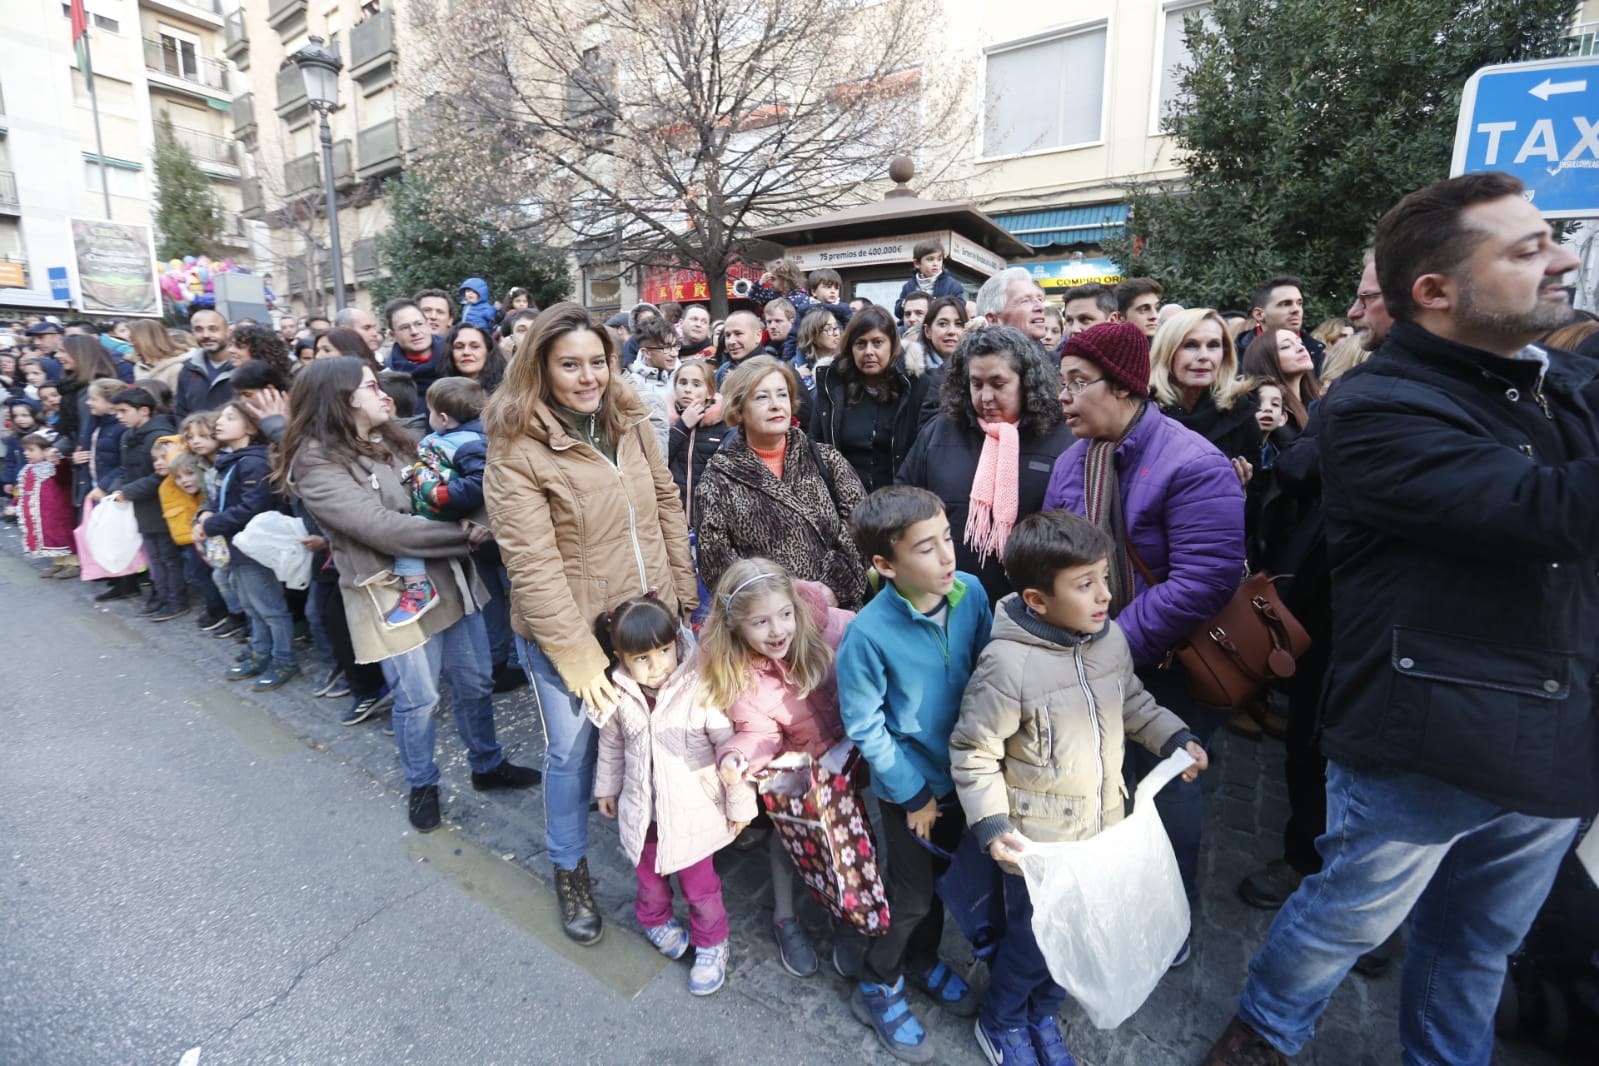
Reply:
x=476, y=309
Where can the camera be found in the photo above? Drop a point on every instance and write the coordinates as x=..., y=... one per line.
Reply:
x=742, y=287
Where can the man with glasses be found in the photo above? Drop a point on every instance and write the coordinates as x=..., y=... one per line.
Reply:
x=417, y=350
x=1012, y=298
x=651, y=375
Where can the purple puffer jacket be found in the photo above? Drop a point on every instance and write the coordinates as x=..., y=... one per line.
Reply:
x=1185, y=517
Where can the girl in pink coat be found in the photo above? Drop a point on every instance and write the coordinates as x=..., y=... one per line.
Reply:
x=767, y=656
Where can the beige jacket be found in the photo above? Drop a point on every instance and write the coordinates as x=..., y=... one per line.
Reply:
x=581, y=534
x=365, y=513
x=661, y=764
x=1038, y=745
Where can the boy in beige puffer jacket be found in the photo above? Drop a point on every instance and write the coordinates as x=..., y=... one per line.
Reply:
x=1037, y=750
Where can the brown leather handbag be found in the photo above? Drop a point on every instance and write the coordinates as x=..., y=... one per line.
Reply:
x=1253, y=641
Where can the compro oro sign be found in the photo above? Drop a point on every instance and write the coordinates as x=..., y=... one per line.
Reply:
x=115, y=267
x=895, y=250
x=1540, y=122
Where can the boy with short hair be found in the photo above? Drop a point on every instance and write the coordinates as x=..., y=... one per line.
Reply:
x=825, y=286
x=139, y=483
x=902, y=668
x=927, y=275
x=1037, y=750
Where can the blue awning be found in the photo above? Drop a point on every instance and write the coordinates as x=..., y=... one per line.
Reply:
x=1066, y=225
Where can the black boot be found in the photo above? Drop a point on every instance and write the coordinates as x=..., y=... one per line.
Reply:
x=580, y=918
x=120, y=588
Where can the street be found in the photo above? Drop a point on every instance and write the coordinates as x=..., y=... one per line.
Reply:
x=195, y=874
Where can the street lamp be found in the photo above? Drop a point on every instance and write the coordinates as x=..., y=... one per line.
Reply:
x=320, y=67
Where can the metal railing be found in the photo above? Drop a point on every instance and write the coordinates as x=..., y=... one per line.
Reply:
x=244, y=111
x=378, y=148
x=234, y=30
x=371, y=40
x=207, y=146
x=291, y=90
x=209, y=73
x=250, y=197
x=8, y=192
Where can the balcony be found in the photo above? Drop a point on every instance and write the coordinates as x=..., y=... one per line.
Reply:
x=208, y=148
x=292, y=103
x=251, y=203
x=378, y=149
x=372, y=48
x=299, y=274
x=365, y=254
x=9, y=204
x=204, y=77
x=303, y=175
x=236, y=39
x=244, y=115
x=1583, y=41
x=287, y=16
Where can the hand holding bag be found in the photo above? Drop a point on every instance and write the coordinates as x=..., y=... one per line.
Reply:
x=1251, y=642
x=108, y=540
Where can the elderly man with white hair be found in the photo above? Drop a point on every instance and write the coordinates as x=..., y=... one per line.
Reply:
x=1013, y=298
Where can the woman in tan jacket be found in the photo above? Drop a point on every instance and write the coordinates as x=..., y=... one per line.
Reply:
x=586, y=515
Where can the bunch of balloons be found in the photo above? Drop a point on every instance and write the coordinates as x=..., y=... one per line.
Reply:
x=188, y=283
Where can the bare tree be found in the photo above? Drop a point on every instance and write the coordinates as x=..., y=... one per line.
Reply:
x=648, y=132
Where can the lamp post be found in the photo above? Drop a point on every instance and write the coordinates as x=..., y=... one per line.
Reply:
x=320, y=67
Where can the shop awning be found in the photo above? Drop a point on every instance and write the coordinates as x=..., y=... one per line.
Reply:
x=1066, y=225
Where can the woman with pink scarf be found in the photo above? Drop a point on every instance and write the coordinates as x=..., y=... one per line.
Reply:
x=989, y=453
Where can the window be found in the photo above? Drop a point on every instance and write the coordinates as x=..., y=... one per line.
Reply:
x=602, y=285
x=124, y=181
x=180, y=54
x=1045, y=94
x=1174, y=54
x=110, y=25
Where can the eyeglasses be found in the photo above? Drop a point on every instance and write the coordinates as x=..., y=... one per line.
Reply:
x=1076, y=386
x=377, y=390
x=834, y=328
x=1366, y=299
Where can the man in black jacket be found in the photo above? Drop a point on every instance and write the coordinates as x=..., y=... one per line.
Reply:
x=1461, y=488
x=205, y=379
x=139, y=484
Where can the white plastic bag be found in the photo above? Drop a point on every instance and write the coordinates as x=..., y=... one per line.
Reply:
x=1588, y=852
x=1109, y=913
x=113, y=535
x=272, y=539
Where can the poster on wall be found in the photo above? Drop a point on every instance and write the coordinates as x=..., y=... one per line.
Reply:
x=115, y=267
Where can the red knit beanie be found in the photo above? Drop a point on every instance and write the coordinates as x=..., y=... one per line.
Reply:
x=1120, y=349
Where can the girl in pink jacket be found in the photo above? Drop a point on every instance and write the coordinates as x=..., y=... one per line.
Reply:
x=766, y=654
x=656, y=774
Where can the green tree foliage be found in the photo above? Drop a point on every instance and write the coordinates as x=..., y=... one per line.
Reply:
x=427, y=247
x=1300, y=123
x=188, y=215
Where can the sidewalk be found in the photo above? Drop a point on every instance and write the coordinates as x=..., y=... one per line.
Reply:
x=1246, y=811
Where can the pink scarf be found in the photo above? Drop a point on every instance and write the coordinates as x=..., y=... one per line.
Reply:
x=994, y=491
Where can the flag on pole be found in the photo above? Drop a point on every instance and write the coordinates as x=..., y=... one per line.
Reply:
x=80, y=36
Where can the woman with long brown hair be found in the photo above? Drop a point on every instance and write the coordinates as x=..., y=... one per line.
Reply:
x=586, y=515
x=155, y=352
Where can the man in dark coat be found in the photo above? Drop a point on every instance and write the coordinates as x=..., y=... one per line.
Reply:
x=204, y=380
x=1279, y=303
x=1461, y=490
x=417, y=350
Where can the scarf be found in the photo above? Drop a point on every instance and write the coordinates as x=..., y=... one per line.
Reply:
x=994, y=491
x=1102, y=505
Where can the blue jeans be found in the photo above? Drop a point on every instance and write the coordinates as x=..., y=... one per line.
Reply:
x=571, y=746
x=198, y=572
x=497, y=614
x=1020, y=988
x=408, y=566
x=223, y=580
x=316, y=609
x=460, y=653
x=261, y=596
x=1471, y=876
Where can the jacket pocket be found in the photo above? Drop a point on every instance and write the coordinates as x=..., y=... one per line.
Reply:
x=1047, y=816
x=1538, y=673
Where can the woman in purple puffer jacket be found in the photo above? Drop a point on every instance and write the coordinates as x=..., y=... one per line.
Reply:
x=1166, y=490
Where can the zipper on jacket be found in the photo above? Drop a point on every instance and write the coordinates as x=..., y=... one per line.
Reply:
x=1099, y=739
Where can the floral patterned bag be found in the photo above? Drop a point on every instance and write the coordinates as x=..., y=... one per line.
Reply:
x=824, y=827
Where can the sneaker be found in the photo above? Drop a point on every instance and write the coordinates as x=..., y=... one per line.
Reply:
x=751, y=837
x=883, y=1007
x=849, y=952
x=119, y=589
x=670, y=939
x=709, y=972
x=1049, y=1043
x=1183, y=954
x=424, y=808
x=340, y=689
x=794, y=949
x=230, y=624
x=248, y=668
x=508, y=775
x=1269, y=888
x=1006, y=1047
x=949, y=990
x=276, y=677
x=210, y=620
x=329, y=679
x=415, y=601
x=69, y=572
x=150, y=607
x=360, y=711
x=169, y=614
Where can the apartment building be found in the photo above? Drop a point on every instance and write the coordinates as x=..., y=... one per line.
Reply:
x=280, y=133
x=150, y=57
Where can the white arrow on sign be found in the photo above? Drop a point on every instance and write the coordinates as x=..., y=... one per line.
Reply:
x=1546, y=88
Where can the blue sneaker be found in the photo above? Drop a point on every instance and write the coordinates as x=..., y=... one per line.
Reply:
x=416, y=601
x=669, y=939
x=948, y=990
x=709, y=972
x=883, y=1007
x=1050, y=1043
x=1182, y=956
x=1006, y=1047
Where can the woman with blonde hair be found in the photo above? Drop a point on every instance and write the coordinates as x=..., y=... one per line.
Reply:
x=156, y=352
x=1193, y=376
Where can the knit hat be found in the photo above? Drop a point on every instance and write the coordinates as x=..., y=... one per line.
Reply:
x=1120, y=349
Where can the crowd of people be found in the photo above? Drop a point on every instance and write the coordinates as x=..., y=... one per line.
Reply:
x=951, y=552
